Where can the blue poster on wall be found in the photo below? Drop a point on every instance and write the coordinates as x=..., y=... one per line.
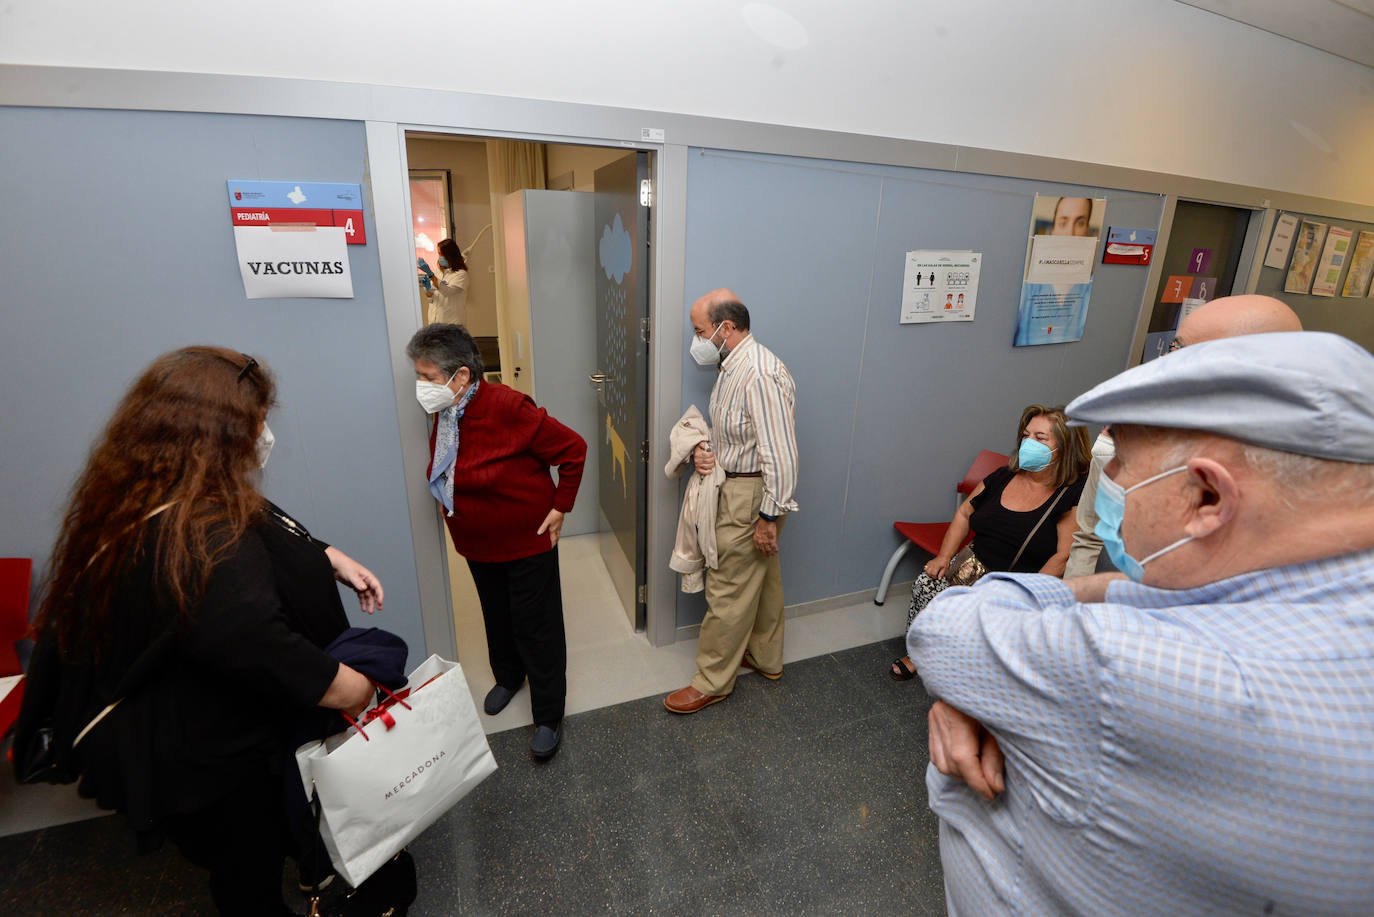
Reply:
x=1052, y=313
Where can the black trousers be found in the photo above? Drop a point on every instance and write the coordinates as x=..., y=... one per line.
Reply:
x=242, y=839
x=522, y=607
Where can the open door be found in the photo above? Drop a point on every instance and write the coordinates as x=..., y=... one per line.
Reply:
x=622, y=372
x=1206, y=243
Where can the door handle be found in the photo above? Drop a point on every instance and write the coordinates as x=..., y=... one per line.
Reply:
x=596, y=378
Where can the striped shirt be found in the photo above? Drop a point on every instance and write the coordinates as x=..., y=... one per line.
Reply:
x=1197, y=751
x=754, y=422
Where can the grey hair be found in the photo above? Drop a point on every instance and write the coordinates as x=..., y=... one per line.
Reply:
x=1299, y=479
x=448, y=347
x=731, y=309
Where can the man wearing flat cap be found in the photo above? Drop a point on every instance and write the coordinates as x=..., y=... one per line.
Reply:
x=1194, y=735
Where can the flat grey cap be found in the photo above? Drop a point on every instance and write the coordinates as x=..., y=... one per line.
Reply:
x=1306, y=392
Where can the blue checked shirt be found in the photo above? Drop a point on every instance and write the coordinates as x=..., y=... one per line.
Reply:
x=1201, y=751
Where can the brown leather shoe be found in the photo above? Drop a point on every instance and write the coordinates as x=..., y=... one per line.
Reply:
x=748, y=663
x=690, y=700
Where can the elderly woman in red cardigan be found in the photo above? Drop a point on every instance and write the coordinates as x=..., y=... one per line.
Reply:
x=491, y=449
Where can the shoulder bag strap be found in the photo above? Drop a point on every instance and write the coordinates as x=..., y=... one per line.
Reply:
x=1046, y=515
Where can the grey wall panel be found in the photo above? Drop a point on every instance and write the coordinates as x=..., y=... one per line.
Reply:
x=795, y=242
x=116, y=247
x=931, y=396
x=889, y=415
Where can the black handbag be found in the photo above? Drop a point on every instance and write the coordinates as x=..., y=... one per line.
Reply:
x=39, y=755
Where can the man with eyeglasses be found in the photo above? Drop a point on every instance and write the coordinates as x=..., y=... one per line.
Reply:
x=1190, y=736
x=1230, y=316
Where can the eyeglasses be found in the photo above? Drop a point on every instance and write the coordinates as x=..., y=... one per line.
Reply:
x=247, y=367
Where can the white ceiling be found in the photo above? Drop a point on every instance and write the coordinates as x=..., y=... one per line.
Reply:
x=1341, y=27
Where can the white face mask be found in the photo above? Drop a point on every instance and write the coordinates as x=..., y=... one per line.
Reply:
x=264, y=445
x=433, y=396
x=704, y=351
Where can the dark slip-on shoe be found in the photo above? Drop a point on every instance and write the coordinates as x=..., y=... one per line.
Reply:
x=497, y=698
x=544, y=745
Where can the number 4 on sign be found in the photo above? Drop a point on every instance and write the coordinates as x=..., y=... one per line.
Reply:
x=351, y=222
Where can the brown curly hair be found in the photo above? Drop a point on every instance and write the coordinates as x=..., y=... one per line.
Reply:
x=184, y=435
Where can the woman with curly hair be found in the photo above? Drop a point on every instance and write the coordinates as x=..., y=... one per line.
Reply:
x=184, y=620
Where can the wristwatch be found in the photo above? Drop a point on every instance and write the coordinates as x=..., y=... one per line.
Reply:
x=767, y=518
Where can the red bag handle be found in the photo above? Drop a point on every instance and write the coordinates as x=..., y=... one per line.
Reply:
x=381, y=711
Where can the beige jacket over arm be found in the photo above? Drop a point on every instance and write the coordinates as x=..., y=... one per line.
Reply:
x=695, y=546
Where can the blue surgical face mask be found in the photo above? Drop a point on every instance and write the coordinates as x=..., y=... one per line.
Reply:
x=443, y=263
x=1033, y=455
x=1110, y=505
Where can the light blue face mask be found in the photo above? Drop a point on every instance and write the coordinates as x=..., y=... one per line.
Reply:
x=1033, y=455
x=1110, y=504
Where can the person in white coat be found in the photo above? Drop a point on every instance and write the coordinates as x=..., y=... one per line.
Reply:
x=448, y=302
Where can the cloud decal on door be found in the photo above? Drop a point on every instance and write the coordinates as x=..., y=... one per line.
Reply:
x=617, y=252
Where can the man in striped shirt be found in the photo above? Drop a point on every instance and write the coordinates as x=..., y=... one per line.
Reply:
x=753, y=432
x=1196, y=736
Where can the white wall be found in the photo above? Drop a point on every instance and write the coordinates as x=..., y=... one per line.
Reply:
x=1149, y=84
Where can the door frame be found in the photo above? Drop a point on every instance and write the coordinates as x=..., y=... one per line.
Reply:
x=388, y=169
x=1247, y=270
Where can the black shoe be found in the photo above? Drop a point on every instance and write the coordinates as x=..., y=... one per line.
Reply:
x=497, y=698
x=544, y=745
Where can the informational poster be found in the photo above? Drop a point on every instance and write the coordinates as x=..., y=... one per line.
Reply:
x=1357, y=282
x=1332, y=261
x=1306, y=246
x=1281, y=242
x=268, y=203
x=1057, y=284
x=293, y=261
x=940, y=286
x=1052, y=313
x=1061, y=259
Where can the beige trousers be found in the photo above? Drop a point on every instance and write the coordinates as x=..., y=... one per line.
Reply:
x=743, y=594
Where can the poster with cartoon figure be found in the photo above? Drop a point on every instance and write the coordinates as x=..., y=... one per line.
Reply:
x=940, y=286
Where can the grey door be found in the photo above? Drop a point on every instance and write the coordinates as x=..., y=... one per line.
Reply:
x=558, y=232
x=621, y=373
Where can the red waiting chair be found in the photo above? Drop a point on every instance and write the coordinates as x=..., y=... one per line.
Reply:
x=929, y=535
x=15, y=575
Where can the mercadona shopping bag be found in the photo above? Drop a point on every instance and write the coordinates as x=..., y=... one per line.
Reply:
x=408, y=761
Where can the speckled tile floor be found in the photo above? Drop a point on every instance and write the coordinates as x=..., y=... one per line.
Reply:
x=801, y=796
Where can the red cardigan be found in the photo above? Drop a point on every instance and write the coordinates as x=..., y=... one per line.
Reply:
x=502, y=489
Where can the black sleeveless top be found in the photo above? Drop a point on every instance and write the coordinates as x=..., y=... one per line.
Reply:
x=999, y=532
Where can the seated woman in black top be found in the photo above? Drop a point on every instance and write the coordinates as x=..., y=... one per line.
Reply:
x=185, y=619
x=1022, y=514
